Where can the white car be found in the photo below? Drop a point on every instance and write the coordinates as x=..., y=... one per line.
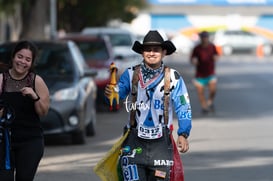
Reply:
x=183, y=44
x=232, y=41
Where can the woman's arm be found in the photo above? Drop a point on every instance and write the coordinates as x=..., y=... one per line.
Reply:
x=41, y=98
x=1, y=82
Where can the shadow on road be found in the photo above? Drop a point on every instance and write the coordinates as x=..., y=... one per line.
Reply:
x=229, y=165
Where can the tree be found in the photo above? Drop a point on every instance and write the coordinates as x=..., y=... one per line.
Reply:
x=73, y=15
x=31, y=17
x=35, y=17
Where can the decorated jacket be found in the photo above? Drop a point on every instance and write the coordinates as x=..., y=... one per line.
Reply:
x=150, y=105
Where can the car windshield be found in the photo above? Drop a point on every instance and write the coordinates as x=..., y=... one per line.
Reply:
x=93, y=51
x=120, y=39
x=239, y=33
x=54, y=63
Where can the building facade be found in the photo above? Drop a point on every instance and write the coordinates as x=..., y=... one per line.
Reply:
x=188, y=16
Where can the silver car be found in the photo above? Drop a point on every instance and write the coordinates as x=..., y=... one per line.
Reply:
x=72, y=113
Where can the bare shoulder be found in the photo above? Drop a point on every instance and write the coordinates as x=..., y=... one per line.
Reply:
x=39, y=82
x=39, y=79
x=1, y=78
x=1, y=82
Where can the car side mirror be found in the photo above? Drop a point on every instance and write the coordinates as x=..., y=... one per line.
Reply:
x=119, y=57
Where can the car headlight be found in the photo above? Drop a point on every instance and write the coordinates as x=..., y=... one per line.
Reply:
x=73, y=120
x=66, y=94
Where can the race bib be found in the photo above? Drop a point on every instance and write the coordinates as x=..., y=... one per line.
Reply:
x=150, y=132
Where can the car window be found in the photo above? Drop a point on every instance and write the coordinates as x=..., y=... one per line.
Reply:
x=57, y=63
x=95, y=50
x=120, y=39
x=244, y=33
x=5, y=55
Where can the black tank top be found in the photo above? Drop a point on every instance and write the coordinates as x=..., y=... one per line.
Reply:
x=27, y=123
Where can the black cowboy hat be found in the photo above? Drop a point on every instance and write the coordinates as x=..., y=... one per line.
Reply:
x=154, y=38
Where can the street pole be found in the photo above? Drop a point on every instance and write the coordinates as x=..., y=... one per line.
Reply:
x=53, y=19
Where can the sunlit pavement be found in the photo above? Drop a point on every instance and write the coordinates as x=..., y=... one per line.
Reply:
x=234, y=143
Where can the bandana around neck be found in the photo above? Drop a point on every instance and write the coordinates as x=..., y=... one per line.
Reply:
x=148, y=73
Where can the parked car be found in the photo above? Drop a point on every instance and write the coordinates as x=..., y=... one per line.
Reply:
x=122, y=41
x=98, y=54
x=72, y=90
x=183, y=44
x=232, y=41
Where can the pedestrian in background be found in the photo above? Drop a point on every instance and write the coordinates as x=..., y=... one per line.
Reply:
x=203, y=57
x=147, y=153
x=28, y=96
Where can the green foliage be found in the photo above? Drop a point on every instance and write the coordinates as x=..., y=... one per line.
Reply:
x=7, y=6
x=73, y=15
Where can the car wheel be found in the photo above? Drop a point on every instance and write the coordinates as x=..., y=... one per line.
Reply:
x=227, y=50
x=78, y=137
x=90, y=129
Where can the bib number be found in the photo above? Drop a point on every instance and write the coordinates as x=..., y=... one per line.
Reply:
x=150, y=132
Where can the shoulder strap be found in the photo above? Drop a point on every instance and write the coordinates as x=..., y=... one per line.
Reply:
x=166, y=94
x=135, y=80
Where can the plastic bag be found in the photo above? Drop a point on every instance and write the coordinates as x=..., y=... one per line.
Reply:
x=107, y=167
x=177, y=171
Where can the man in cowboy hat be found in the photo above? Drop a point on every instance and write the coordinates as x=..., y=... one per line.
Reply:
x=151, y=91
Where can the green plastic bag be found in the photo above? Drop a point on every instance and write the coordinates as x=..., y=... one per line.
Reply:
x=107, y=167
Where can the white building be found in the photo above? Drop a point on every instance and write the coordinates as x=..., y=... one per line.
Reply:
x=188, y=16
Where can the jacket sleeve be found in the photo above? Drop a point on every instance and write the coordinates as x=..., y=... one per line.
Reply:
x=124, y=85
x=182, y=107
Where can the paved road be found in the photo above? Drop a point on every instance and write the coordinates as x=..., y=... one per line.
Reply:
x=235, y=143
x=232, y=144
